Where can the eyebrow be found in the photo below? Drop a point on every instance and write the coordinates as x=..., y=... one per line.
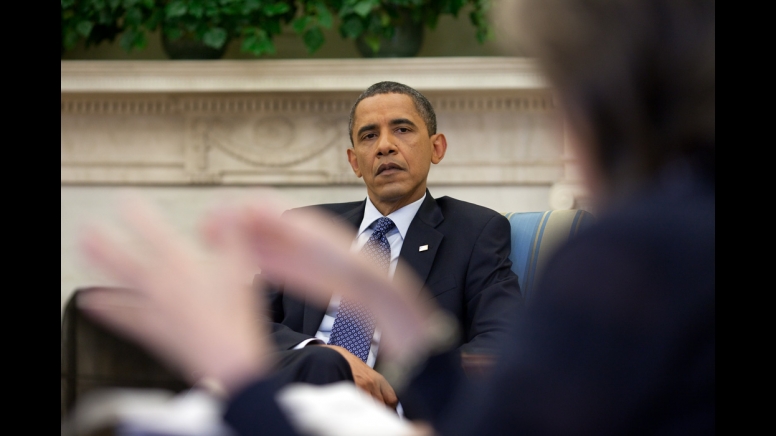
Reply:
x=394, y=122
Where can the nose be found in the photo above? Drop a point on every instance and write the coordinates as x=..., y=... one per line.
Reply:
x=386, y=145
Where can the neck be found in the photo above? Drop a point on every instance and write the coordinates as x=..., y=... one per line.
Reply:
x=388, y=206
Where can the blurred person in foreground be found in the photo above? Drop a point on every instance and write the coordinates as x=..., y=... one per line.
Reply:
x=620, y=338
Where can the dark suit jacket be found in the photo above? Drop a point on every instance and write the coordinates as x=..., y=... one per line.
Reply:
x=619, y=339
x=466, y=270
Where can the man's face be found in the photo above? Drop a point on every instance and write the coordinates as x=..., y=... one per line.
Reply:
x=392, y=150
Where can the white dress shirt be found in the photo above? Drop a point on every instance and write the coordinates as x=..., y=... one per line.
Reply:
x=402, y=218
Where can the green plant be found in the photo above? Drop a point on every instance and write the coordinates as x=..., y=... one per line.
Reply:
x=377, y=19
x=214, y=22
x=255, y=22
x=96, y=21
x=312, y=17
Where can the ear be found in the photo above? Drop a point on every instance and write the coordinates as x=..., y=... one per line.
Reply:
x=354, y=162
x=439, y=144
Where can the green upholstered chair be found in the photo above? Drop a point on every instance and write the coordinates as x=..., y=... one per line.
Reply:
x=536, y=236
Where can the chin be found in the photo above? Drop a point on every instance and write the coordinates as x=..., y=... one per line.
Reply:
x=390, y=193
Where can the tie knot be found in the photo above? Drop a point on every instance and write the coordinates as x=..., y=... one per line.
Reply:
x=383, y=225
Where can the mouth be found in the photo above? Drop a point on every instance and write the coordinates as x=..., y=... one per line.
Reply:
x=387, y=168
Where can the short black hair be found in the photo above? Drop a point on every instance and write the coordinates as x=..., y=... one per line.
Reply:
x=422, y=105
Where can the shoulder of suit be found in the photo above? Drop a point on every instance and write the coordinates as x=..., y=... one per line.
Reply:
x=452, y=207
x=336, y=208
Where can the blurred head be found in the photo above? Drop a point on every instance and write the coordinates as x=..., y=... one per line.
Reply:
x=393, y=132
x=636, y=79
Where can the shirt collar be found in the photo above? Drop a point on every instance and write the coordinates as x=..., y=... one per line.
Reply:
x=402, y=217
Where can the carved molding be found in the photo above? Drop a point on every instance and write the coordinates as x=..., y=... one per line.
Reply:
x=121, y=105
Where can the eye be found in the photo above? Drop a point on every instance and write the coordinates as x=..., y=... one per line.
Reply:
x=368, y=136
x=402, y=129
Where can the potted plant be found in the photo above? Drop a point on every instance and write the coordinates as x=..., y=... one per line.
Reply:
x=190, y=29
x=211, y=24
x=97, y=21
x=203, y=28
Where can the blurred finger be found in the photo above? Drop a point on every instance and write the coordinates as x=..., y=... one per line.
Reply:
x=104, y=251
x=389, y=395
x=147, y=223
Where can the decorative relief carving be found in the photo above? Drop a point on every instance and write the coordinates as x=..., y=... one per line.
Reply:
x=272, y=141
x=195, y=156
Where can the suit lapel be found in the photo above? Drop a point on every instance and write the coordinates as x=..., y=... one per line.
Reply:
x=422, y=232
x=313, y=314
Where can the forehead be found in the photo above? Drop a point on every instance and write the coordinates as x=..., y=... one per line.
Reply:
x=385, y=107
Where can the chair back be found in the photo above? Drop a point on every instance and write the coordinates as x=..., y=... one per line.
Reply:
x=93, y=357
x=536, y=236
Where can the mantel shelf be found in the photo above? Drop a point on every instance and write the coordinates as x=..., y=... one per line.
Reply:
x=300, y=75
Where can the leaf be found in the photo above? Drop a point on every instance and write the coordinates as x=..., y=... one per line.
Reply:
x=215, y=37
x=127, y=40
x=352, y=27
x=140, y=41
x=272, y=27
x=70, y=39
x=250, y=44
x=455, y=6
x=276, y=8
x=267, y=46
x=325, y=18
x=385, y=19
x=84, y=28
x=211, y=9
x=299, y=24
x=173, y=33
x=196, y=9
x=313, y=39
x=133, y=17
x=174, y=9
x=364, y=7
x=251, y=5
x=258, y=44
x=373, y=42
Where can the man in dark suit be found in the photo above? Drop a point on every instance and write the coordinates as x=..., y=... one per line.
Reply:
x=460, y=251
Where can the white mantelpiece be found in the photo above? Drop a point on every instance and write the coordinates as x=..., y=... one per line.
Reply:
x=279, y=122
x=298, y=75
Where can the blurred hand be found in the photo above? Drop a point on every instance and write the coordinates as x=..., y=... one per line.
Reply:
x=366, y=378
x=193, y=308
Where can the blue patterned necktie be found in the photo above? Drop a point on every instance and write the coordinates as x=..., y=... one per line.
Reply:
x=354, y=326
